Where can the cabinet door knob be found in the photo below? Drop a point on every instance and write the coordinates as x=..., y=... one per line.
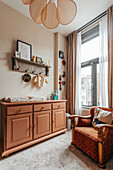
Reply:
x=31, y=126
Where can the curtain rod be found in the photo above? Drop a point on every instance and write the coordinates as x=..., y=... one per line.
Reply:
x=92, y=21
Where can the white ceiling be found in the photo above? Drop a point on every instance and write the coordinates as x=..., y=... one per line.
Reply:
x=86, y=11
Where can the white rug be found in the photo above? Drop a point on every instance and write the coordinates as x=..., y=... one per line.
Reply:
x=53, y=154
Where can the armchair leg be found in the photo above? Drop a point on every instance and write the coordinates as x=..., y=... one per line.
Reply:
x=72, y=135
x=101, y=155
x=101, y=166
x=71, y=143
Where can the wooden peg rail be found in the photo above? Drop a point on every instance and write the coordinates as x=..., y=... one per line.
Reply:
x=26, y=66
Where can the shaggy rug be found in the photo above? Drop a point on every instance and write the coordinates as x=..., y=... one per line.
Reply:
x=53, y=154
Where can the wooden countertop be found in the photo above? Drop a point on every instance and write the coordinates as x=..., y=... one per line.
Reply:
x=34, y=102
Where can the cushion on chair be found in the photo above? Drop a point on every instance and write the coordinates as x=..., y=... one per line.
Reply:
x=105, y=116
x=85, y=122
x=88, y=131
x=102, y=116
x=106, y=109
x=86, y=138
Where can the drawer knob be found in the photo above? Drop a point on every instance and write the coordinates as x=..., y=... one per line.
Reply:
x=19, y=110
x=42, y=108
x=59, y=106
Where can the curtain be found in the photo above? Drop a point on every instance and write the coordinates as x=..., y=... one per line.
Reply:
x=103, y=61
x=78, y=77
x=71, y=71
x=110, y=56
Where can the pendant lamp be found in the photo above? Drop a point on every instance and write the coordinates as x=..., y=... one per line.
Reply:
x=51, y=13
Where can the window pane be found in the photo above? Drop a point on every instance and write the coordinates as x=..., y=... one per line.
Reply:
x=105, y=86
x=86, y=86
x=90, y=50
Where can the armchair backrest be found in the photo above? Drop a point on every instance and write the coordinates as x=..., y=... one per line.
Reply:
x=103, y=108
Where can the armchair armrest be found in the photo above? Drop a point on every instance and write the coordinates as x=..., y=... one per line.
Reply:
x=102, y=131
x=101, y=126
x=77, y=116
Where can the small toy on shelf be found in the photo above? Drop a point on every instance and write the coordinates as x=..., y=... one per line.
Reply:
x=34, y=59
x=55, y=94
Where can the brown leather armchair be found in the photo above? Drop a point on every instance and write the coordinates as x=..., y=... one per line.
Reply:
x=96, y=142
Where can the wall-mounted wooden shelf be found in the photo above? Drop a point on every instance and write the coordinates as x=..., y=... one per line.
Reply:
x=29, y=64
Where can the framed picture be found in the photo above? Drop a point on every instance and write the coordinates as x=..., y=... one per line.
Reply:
x=39, y=60
x=25, y=49
x=61, y=54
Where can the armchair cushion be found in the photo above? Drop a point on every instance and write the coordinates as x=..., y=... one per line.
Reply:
x=85, y=122
x=90, y=132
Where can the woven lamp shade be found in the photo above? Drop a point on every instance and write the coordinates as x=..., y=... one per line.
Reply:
x=49, y=14
x=26, y=2
x=36, y=8
x=67, y=10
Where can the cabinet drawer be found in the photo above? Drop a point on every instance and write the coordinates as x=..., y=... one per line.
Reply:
x=19, y=109
x=59, y=105
x=41, y=107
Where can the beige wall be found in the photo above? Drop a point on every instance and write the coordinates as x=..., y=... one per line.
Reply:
x=13, y=26
x=60, y=44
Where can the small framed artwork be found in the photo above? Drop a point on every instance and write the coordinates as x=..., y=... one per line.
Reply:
x=25, y=49
x=61, y=54
x=17, y=54
x=38, y=60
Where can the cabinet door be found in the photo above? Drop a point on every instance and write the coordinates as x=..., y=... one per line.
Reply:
x=19, y=129
x=42, y=123
x=58, y=119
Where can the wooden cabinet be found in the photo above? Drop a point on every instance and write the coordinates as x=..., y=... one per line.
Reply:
x=19, y=129
x=27, y=123
x=42, y=123
x=58, y=119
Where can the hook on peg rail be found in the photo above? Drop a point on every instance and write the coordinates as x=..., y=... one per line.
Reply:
x=40, y=73
x=18, y=68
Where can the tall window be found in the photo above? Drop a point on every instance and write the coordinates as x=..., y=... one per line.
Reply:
x=90, y=92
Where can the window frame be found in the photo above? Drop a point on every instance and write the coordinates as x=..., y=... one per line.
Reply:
x=93, y=63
